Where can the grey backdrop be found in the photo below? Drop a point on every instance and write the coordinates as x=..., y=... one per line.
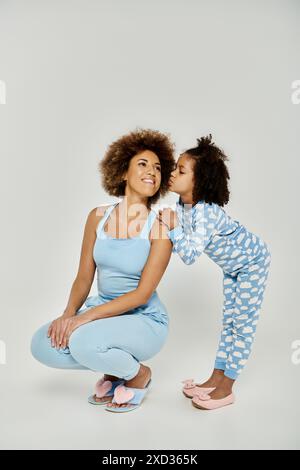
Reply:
x=78, y=74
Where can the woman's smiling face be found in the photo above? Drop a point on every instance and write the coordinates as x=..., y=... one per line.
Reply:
x=144, y=174
x=182, y=178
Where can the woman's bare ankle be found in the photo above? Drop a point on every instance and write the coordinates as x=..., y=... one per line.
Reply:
x=112, y=378
x=141, y=379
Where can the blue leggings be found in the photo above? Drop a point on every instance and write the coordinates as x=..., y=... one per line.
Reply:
x=114, y=345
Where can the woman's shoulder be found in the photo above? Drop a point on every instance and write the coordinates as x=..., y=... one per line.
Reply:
x=101, y=209
x=158, y=230
x=96, y=214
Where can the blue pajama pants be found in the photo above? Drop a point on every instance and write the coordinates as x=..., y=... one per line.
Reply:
x=114, y=346
x=243, y=296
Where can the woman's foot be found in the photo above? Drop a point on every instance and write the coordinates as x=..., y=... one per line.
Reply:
x=139, y=381
x=112, y=378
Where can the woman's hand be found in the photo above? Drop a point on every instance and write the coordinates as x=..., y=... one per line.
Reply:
x=62, y=327
x=56, y=330
x=169, y=218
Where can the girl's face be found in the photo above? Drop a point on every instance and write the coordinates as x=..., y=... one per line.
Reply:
x=182, y=178
x=143, y=176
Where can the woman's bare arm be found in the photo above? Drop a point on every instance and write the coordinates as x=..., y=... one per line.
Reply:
x=83, y=281
x=86, y=270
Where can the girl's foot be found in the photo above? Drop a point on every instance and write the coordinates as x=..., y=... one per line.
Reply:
x=112, y=378
x=223, y=389
x=139, y=381
x=215, y=379
x=220, y=392
x=206, y=403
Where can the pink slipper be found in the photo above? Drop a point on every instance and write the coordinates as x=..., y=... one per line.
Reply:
x=191, y=389
x=204, y=402
x=104, y=388
x=132, y=397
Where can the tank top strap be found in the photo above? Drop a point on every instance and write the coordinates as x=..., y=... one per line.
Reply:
x=105, y=217
x=148, y=224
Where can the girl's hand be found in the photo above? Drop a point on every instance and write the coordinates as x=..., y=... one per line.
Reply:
x=169, y=218
x=61, y=329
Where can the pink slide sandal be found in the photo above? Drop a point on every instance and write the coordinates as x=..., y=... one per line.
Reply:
x=104, y=388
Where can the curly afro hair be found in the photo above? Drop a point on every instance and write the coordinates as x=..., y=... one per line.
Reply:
x=210, y=172
x=118, y=155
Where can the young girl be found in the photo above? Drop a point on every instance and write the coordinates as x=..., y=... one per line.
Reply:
x=199, y=225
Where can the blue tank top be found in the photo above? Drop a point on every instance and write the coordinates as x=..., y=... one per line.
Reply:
x=120, y=262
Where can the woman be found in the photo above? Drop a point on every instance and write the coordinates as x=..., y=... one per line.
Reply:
x=126, y=322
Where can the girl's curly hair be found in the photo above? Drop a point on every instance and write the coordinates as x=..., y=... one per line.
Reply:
x=210, y=172
x=118, y=155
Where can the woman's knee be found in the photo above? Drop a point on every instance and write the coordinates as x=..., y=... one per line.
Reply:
x=154, y=344
x=81, y=345
x=40, y=343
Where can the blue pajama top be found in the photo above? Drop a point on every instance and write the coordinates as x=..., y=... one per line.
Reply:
x=208, y=228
